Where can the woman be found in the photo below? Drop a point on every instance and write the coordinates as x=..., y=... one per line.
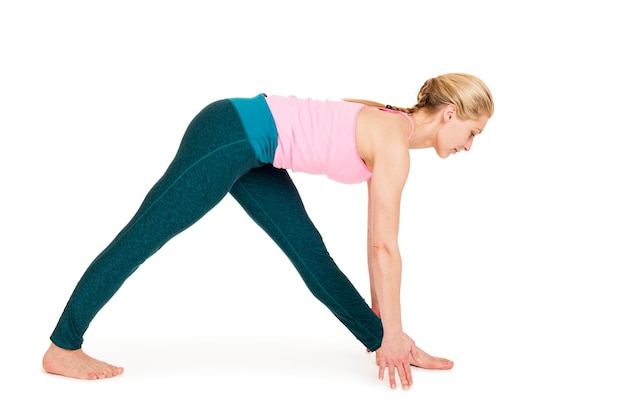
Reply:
x=243, y=147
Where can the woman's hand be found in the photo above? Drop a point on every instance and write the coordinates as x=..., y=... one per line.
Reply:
x=395, y=355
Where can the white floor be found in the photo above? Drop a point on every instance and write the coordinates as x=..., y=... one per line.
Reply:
x=513, y=254
x=261, y=343
x=281, y=375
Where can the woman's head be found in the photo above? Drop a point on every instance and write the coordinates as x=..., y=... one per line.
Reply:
x=467, y=93
x=457, y=104
x=461, y=104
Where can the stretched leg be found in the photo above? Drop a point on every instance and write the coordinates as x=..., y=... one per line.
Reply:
x=213, y=154
x=269, y=196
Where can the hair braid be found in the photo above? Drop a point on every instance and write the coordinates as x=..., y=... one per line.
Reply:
x=468, y=93
x=423, y=95
x=408, y=110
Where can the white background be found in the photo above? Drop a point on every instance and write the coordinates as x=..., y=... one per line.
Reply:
x=513, y=253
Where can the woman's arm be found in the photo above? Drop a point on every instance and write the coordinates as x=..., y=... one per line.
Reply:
x=390, y=171
x=373, y=297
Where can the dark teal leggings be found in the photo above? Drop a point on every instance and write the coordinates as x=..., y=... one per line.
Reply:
x=216, y=157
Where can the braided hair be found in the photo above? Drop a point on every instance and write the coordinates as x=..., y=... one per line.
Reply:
x=468, y=93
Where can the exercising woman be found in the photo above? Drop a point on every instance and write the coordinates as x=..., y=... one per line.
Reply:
x=244, y=146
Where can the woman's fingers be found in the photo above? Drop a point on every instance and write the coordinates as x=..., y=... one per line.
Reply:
x=403, y=371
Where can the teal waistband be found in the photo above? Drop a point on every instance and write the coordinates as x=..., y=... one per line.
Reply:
x=259, y=124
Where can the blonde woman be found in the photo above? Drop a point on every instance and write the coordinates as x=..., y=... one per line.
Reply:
x=244, y=146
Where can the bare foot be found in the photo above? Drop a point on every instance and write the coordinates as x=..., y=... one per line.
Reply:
x=77, y=364
x=423, y=360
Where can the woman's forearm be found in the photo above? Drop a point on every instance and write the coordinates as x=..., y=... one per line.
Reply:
x=373, y=296
x=385, y=280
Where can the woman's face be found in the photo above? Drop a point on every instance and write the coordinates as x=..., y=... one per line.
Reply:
x=457, y=134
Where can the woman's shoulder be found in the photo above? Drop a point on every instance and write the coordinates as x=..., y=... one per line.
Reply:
x=386, y=124
x=381, y=134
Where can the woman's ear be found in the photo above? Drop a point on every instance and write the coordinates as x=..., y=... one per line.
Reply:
x=449, y=112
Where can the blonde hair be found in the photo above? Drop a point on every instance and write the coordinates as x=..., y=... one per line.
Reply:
x=468, y=93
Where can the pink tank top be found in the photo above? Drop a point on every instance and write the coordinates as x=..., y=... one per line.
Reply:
x=318, y=137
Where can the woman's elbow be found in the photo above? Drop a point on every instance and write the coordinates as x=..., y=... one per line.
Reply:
x=385, y=250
